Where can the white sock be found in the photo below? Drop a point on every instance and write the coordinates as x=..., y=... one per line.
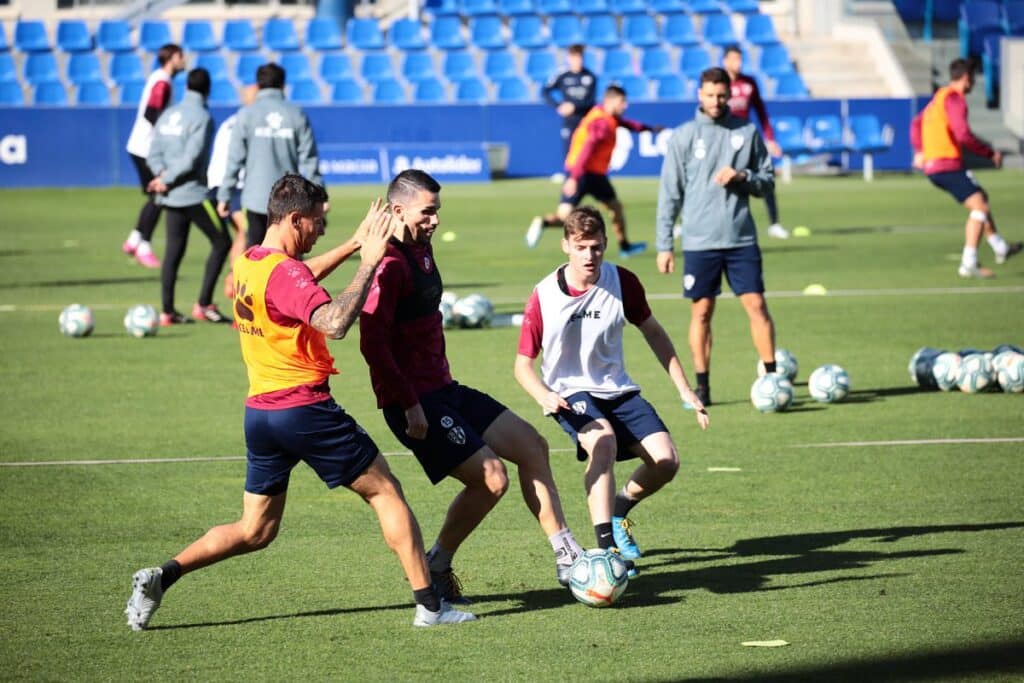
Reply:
x=134, y=237
x=565, y=546
x=439, y=559
x=998, y=244
x=969, y=258
x=144, y=248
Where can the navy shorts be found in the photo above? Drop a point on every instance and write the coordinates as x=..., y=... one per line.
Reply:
x=593, y=184
x=234, y=204
x=632, y=419
x=702, y=271
x=322, y=435
x=960, y=184
x=457, y=417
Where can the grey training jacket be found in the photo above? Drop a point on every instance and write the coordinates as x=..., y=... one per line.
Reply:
x=180, y=151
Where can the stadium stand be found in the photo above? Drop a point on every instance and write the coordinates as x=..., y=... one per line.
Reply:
x=459, y=64
x=588, y=7
x=389, y=91
x=376, y=66
x=115, y=35
x=479, y=8
x=790, y=85
x=978, y=18
x=240, y=36
x=30, y=36
x=759, y=30
x=11, y=94
x=680, y=31
x=541, y=66
x=84, y=67
x=50, y=93
x=554, y=8
x=8, y=72
x=198, y=36
x=1013, y=18
x=40, y=67
x=866, y=135
x=693, y=61
x=279, y=35
x=93, y=93
x=486, y=32
x=335, y=67
x=73, y=36
x=441, y=8
x=990, y=67
x=656, y=62
x=446, y=33
x=305, y=91
x=743, y=6
x=471, y=90
x=513, y=90
x=153, y=33
x=407, y=34
x=774, y=61
x=323, y=34
x=222, y=92
x=705, y=6
x=131, y=92
x=529, y=32
x=718, y=30
x=215, y=63
x=245, y=67
x=365, y=34
x=673, y=87
x=4, y=45
x=617, y=63
x=641, y=31
x=626, y=7
x=566, y=30
x=516, y=8
x=430, y=90
x=296, y=66
x=824, y=134
x=347, y=91
x=418, y=66
x=637, y=87
x=668, y=7
x=500, y=65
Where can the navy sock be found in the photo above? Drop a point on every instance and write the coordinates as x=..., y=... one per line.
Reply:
x=428, y=598
x=623, y=505
x=704, y=379
x=604, y=535
x=171, y=573
x=769, y=367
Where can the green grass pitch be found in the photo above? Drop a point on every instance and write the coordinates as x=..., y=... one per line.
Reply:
x=873, y=562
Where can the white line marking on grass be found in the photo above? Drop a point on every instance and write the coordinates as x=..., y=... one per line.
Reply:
x=724, y=469
x=912, y=442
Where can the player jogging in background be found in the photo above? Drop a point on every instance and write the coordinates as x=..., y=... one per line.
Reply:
x=938, y=134
x=744, y=95
x=587, y=164
x=156, y=96
x=576, y=316
x=452, y=429
x=576, y=88
x=284, y=317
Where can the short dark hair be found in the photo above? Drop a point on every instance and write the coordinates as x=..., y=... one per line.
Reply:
x=732, y=48
x=269, y=75
x=409, y=182
x=584, y=221
x=199, y=81
x=959, y=67
x=715, y=74
x=615, y=91
x=575, y=49
x=166, y=52
x=292, y=192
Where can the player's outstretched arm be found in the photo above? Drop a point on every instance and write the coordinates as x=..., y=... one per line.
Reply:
x=324, y=264
x=526, y=374
x=661, y=344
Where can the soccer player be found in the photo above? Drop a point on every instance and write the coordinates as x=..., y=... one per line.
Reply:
x=587, y=163
x=714, y=163
x=938, y=134
x=576, y=316
x=452, y=429
x=283, y=319
x=178, y=157
x=744, y=95
x=577, y=90
x=156, y=96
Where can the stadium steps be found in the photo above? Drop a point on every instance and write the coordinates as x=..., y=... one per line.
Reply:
x=833, y=68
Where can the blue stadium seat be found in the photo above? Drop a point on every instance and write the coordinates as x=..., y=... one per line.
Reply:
x=673, y=87
x=347, y=91
x=442, y=8
x=178, y=86
x=40, y=67
x=470, y=90
x=93, y=92
x=499, y=65
x=296, y=66
x=240, y=36
x=588, y=7
x=656, y=62
x=641, y=31
x=376, y=66
x=742, y=6
x=705, y=6
x=513, y=90
x=418, y=66
x=479, y=8
x=679, y=30
x=824, y=134
x=365, y=34
x=154, y=33
x=618, y=62
x=529, y=32
x=305, y=91
x=323, y=33
x=8, y=72
x=131, y=92
x=215, y=63
x=30, y=36
x=760, y=30
x=774, y=61
x=115, y=35
x=336, y=66
x=73, y=36
x=978, y=18
x=486, y=32
x=790, y=85
x=198, y=36
x=84, y=67
x=389, y=91
x=50, y=93
x=718, y=30
x=407, y=34
x=555, y=8
x=222, y=93
x=566, y=30
x=245, y=67
x=279, y=35
x=867, y=134
x=541, y=66
x=910, y=10
x=629, y=7
x=430, y=90
x=446, y=33
x=126, y=66
x=668, y=7
x=1013, y=18
x=11, y=94
x=693, y=61
x=601, y=30
x=4, y=45
x=789, y=133
x=458, y=65
x=636, y=87
x=516, y=8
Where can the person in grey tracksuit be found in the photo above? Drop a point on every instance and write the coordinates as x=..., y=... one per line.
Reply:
x=178, y=157
x=712, y=166
x=272, y=137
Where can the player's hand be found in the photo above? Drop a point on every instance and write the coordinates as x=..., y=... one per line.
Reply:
x=666, y=262
x=727, y=175
x=552, y=403
x=997, y=159
x=703, y=419
x=223, y=210
x=157, y=185
x=773, y=148
x=565, y=109
x=368, y=219
x=918, y=162
x=569, y=187
x=378, y=232
x=415, y=422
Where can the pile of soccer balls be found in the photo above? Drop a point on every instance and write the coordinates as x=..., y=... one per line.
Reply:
x=77, y=320
x=969, y=370
x=469, y=312
x=773, y=392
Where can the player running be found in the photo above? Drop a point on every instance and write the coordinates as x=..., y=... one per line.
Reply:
x=576, y=316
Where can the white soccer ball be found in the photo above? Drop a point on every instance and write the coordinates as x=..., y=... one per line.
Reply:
x=829, y=384
x=448, y=300
x=141, y=320
x=1010, y=373
x=975, y=374
x=946, y=370
x=785, y=364
x=473, y=311
x=76, y=321
x=771, y=393
x=598, y=577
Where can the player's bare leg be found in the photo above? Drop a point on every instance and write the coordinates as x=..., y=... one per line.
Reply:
x=599, y=442
x=550, y=220
x=261, y=519
x=981, y=222
x=659, y=467
x=762, y=328
x=626, y=248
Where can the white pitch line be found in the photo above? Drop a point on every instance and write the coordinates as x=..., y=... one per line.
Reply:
x=724, y=469
x=912, y=442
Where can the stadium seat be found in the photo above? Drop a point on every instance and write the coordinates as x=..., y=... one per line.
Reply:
x=500, y=65
x=978, y=18
x=73, y=36
x=673, y=87
x=323, y=33
x=693, y=61
x=541, y=66
x=296, y=66
x=4, y=45
x=789, y=133
x=215, y=63
x=240, y=36
x=774, y=61
x=131, y=92
x=40, y=67
x=760, y=30
x=442, y=8
x=590, y=7
x=198, y=36
x=618, y=62
x=470, y=90
x=910, y=10
x=347, y=91
x=629, y=7
x=126, y=66
x=389, y=91
x=115, y=35
x=279, y=35
x=705, y=6
x=84, y=67
x=668, y=7
x=656, y=62
x=376, y=66
x=11, y=94
x=554, y=8
x=418, y=66
x=178, y=86
x=154, y=33
x=718, y=30
x=1013, y=18
x=679, y=30
x=223, y=93
x=245, y=68
x=824, y=134
x=479, y=8
x=336, y=66
x=364, y=34
x=636, y=87
x=790, y=85
x=742, y=6
x=93, y=92
x=30, y=36
x=8, y=72
x=516, y=8
x=430, y=90
x=566, y=30
x=641, y=31
x=601, y=30
x=305, y=91
x=486, y=32
x=407, y=34
x=513, y=90
x=458, y=65
x=865, y=135
x=446, y=33
x=529, y=32
x=50, y=93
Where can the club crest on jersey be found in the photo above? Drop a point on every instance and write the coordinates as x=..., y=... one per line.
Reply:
x=736, y=141
x=701, y=150
x=457, y=436
x=447, y=422
x=426, y=262
x=579, y=407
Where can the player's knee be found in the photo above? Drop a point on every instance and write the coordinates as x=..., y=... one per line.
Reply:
x=495, y=477
x=980, y=214
x=667, y=467
x=260, y=536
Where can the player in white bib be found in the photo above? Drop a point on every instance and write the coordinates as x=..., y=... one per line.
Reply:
x=576, y=316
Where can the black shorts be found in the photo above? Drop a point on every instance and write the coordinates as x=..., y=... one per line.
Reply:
x=457, y=417
x=594, y=184
x=632, y=418
x=145, y=175
x=960, y=184
x=702, y=271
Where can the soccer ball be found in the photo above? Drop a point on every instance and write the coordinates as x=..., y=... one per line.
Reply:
x=76, y=321
x=946, y=370
x=141, y=320
x=829, y=384
x=1010, y=372
x=474, y=310
x=920, y=367
x=598, y=577
x=448, y=300
x=771, y=393
x=975, y=374
x=785, y=364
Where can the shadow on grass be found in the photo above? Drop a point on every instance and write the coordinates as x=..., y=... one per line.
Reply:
x=274, y=617
x=134, y=280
